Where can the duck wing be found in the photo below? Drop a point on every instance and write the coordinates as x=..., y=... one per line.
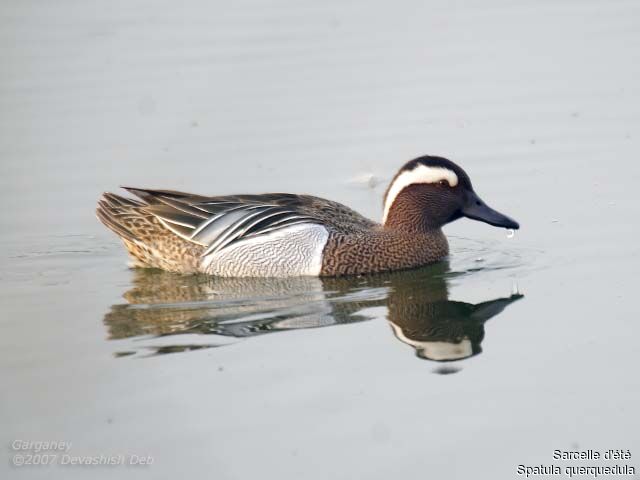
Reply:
x=218, y=222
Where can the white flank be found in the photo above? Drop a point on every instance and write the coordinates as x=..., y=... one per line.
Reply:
x=420, y=174
x=292, y=251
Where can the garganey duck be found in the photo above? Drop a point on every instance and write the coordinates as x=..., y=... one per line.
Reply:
x=281, y=234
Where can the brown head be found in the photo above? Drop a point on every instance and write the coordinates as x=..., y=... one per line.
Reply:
x=429, y=192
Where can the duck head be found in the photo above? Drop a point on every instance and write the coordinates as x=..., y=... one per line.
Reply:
x=429, y=192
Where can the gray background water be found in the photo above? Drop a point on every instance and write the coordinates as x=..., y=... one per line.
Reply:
x=538, y=101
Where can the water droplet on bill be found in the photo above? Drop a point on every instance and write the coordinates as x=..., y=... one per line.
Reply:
x=511, y=233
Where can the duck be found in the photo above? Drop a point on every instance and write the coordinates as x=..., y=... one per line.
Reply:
x=285, y=235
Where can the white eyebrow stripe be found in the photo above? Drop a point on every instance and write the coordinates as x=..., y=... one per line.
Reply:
x=420, y=174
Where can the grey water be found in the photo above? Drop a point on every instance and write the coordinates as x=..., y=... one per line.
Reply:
x=494, y=358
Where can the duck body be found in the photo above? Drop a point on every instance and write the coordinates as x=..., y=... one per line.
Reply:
x=280, y=234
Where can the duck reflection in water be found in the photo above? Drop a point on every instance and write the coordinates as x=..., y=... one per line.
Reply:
x=167, y=306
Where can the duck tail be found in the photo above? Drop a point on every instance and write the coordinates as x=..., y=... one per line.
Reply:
x=148, y=242
x=124, y=217
x=118, y=214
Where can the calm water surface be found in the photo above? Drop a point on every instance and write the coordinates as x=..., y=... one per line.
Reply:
x=465, y=369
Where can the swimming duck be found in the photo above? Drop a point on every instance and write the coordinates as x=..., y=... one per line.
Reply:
x=281, y=234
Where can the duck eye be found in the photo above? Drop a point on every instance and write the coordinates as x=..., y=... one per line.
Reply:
x=443, y=183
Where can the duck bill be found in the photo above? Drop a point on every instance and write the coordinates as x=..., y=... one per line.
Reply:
x=476, y=209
